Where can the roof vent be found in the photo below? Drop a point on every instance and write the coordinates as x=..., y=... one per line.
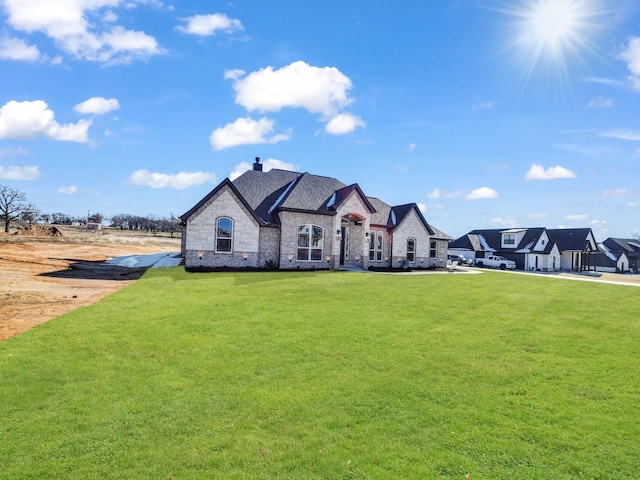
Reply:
x=257, y=166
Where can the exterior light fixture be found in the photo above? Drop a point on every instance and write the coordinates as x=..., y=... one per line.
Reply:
x=290, y=257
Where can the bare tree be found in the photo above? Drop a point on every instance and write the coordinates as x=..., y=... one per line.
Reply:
x=13, y=204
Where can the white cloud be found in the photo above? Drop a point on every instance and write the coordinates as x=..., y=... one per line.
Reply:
x=70, y=190
x=483, y=106
x=35, y=119
x=233, y=74
x=600, y=103
x=178, y=181
x=631, y=55
x=82, y=28
x=412, y=147
x=16, y=49
x=13, y=152
x=619, y=192
x=537, y=172
x=267, y=165
x=19, y=173
x=97, y=106
x=437, y=194
x=482, y=193
x=633, y=205
x=622, y=134
x=504, y=221
x=343, y=123
x=245, y=131
x=318, y=90
x=581, y=217
x=206, y=25
x=422, y=207
x=536, y=216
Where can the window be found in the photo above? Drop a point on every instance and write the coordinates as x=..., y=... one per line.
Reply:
x=224, y=235
x=379, y=247
x=310, y=239
x=372, y=246
x=411, y=249
x=433, y=248
x=509, y=239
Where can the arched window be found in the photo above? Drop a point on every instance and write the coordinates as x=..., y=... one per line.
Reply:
x=224, y=235
x=310, y=241
x=411, y=249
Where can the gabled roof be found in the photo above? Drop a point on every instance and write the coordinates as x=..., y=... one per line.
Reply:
x=631, y=246
x=571, y=239
x=311, y=193
x=400, y=212
x=567, y=239
x=479, y=240
x=225, y=183
x=264, y=194
x=610, y=255
x=339, y=196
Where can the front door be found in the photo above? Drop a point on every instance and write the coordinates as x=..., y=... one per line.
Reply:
x=344, y=245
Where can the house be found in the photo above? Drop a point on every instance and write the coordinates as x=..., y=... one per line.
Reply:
x=630, y=247
x=290, y=220
x=537, y=248
x=613, y=262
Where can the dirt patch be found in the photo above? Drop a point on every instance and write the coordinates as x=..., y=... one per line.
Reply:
x=43, y=278
x=40, y=231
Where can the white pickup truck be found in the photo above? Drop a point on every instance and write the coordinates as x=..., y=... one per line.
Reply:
x=496, y=261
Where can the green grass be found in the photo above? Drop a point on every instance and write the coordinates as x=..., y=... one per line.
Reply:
x=329, y=375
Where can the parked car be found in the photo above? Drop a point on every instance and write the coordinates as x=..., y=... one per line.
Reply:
x=496, y=261
x=461, y=259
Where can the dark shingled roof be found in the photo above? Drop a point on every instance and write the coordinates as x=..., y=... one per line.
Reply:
x=567, y=239
x=570, y=239
x=266, y=193
x=630, y=246
x=382, y=215
x=401, y=212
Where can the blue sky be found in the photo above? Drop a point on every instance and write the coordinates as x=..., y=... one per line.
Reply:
x=488, y=114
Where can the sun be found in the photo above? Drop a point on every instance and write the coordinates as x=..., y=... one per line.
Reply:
x=553, y=33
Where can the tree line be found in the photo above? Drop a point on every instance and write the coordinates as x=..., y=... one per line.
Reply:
x=14, y=209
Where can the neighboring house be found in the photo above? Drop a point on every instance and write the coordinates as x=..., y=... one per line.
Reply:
x=631, y=249
x=538, y=248
x=613, y=262
x=291, y=220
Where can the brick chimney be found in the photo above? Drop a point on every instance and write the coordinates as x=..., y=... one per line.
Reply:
x=257, y=166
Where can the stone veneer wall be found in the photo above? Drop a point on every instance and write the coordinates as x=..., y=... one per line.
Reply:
x=269, y=246
x=412, y=227
x=289, y=223
x=200, y=234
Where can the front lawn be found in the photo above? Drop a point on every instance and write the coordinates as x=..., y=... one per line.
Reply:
x=329, y=375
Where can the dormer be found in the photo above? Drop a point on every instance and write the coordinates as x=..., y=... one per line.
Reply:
x=511, y=238
x=542, y=242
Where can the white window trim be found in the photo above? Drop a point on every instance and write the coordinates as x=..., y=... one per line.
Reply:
x=310, y=247
x=225, y=238
x=415, y=247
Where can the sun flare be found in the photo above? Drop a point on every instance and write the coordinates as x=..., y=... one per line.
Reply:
x=553, y=33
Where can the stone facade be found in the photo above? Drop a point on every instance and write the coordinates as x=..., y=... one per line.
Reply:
x=265, y=228
x=411, y=227
x=289, y=223
x=200, y=248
